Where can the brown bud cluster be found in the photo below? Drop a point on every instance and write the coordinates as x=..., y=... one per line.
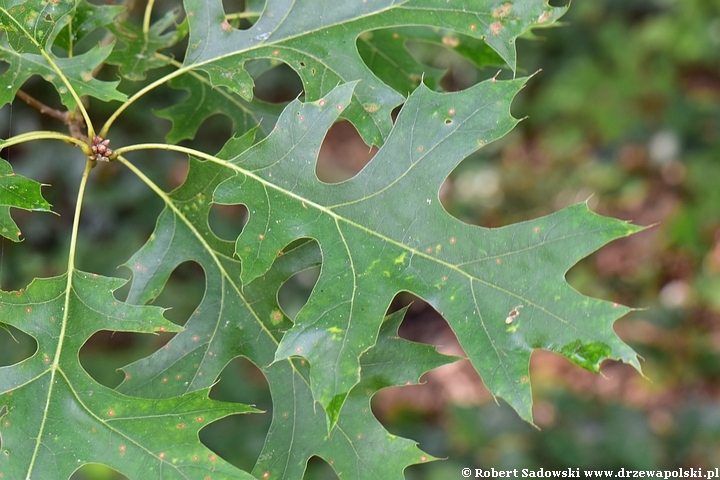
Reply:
x=100, y=150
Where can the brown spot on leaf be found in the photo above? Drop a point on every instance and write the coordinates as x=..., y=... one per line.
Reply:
x=502, y=10
x=450, y=41
x=544, y=17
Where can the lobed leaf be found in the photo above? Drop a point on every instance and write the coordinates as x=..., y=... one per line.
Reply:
x=78, y=70
x=86, y=19
x=18, y=192
x=384, y=231
x=29, y=24
x=359, y=446
x=56, y=418
x=204, y=101
x=502, y=290
x=233, y=320
x=141, y=51
x=386, y=53
x=318, y=40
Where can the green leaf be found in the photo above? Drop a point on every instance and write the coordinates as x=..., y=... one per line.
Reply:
x=86, y=19
x=386, y=53
x=359, y=447
x=56, y=418
x=383, y=232
x=77, y=69
x=29, y=24
x=318, y=40
x=140, y=53
x=247, y=321
x=204, y=101
x=18, y=192
x=226, y=323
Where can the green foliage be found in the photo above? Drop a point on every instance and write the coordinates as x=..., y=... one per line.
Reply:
x=18, y=192
x=380, y=233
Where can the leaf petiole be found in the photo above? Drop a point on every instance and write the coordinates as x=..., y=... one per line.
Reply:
x=146, y=18
x=46, y=135
x=66, y=311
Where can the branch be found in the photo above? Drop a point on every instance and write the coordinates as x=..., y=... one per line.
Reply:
x=75, y=123
x=44, y=109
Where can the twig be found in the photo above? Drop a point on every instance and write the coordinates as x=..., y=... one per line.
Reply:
x=44, y=109
x=74, y=122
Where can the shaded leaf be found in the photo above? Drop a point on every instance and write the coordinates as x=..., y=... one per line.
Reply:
x=140, y=51
x=56, y=418
x=359, y=447
x=386, y=53
x=18, y=192
x=203, y=101
x=318, y=40
x=380, y=233
x=29, y=24
x=86, y=19
x=77, y=69
x=232, y=321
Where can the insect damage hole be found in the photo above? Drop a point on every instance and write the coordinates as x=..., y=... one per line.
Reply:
x=514, y=313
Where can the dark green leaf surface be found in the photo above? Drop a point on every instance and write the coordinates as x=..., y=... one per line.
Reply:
x=29, y=24
x=140, y=51
x=359, y=447
x=56, y=418
x=77, y=69
x=233, y=321
x=384, y=231
x=224, y=324
x=85, y=19
x=204, y=101
x=318, y=40
x=386, y=53
x=18, y=192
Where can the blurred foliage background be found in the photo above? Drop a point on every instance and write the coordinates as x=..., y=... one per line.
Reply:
x=625, y=115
